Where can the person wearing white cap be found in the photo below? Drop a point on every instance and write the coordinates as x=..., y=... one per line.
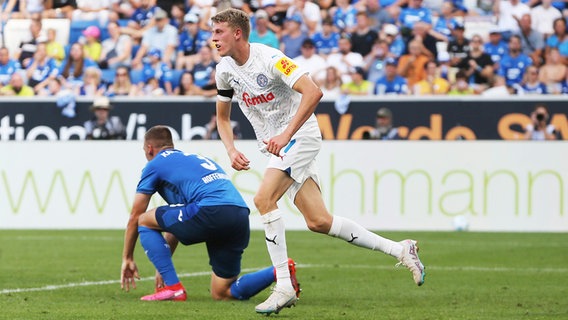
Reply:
x=103, y=126
x=191, y=40
x=261, y=33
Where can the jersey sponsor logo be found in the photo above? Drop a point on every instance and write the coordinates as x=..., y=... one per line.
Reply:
x=262, y=80
x=253, y=101
x=286, y=66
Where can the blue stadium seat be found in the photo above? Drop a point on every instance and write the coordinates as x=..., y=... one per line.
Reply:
x=108, y=75
x=136, y=76
x=77, y=27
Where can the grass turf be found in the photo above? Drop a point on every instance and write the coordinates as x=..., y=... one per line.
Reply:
x=75, y=275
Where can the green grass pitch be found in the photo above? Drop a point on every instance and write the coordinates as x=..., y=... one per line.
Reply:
x=75, y=275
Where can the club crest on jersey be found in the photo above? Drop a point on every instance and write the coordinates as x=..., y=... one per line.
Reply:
x=262, y=80
x=253, y=101
x=286, y=66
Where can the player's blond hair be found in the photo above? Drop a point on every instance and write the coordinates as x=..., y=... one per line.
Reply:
x=235, y=19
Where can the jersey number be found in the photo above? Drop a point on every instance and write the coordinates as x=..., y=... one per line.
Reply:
x=207, y=164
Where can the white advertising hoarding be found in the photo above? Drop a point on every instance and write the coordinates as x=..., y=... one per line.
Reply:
x=405, y=185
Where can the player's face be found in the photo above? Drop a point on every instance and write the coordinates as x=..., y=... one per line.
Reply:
x=223, y=38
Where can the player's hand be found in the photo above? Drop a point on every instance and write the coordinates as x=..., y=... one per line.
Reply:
x=238, y=160
x=128, y=272
x=159, y=281
x=275, y=144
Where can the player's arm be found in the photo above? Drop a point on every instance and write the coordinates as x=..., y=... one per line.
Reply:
x=129, y=271
x=238, y=160
x=311, y=95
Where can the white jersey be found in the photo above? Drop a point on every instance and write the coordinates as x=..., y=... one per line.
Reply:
x=263, y=89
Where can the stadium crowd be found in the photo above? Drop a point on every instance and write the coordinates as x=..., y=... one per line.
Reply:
x=358, y=47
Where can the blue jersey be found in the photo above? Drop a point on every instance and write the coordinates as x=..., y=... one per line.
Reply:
x=42, y=72
x=496, y=51
x=409, y=16
x=182, y=178
x=564, y=87
x=188, y=44
x=539, y=88
x=161, y=72
x=202, y=74
x=554, y=42
x=397, y=86
x=142, y=16
x=8, y=69
x=445, y=26
x=397, y=47
x=325, y=45
x=345, y=18
x=513, y=69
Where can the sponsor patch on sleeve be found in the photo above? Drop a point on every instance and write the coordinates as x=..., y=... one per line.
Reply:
x=286, y=66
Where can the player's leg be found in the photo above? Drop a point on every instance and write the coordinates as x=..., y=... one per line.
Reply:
x=272, y=188
x=309, y=201
x=158, y=251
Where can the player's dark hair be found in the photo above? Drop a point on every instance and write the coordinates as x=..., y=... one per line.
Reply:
x=159, y=136
x=235, y=19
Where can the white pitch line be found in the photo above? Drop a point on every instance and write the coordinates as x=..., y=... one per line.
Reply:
x=299, y=266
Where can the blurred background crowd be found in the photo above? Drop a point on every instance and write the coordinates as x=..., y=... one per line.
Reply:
x=358, y=47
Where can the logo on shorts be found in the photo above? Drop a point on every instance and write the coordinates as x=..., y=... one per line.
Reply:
x=286, y=66
x=262, y=80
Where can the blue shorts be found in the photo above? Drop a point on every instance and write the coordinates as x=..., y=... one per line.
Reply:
x=224, y=229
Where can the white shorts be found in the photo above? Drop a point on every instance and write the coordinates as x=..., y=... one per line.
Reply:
x=299, y=161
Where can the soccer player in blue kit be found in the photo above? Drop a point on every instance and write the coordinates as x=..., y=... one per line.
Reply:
x=204, y=206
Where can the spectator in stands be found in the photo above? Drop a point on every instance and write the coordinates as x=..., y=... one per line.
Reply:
x=73, y=68
x=191, y=40
x=539, y=128
x=141, y=19
x=553, y=72
x=433, y=84
x=55, y=9
x=203, y=71
x=309, y=12
x=177, y=16
x=293, y=36
x=28, y=46
x=363, y=37
x=543, y=17
x=397, y=46
x=508, y=13
x=162, y=37
x=484, y=7
x=261, y=33
x=28, y=9
x=461, y=86
x=514, y=64
x=188, y=88
x=92, y=84
x=442, y=29
x=459, y=8
x=458, y=48
x=8, y=66
x=17, y=87
x=498, y=88
x=151, y=87
x=384, y=129
x=531, y=84
x=41, y=68
x=276, y=17
x=344, y=15
x=331, y=84
x=92, y=46
x=421, y=32
x=122, y=85
x=51, y=87
x=116, y=49
x=374, y=64
x=345, y=59
x=54, y=48
x=327, y=41
x=92, y=10
x=155, y=68
x=564, y=85
x=411, y=65
x=383, y=12
x=213, y=134
x=532, y=41
x=496, y=47
x=559, y=39
x=414, y=12
x=391, y=83
x=478, y=65
x=103, y=126
x=358, y=85
x=310, y=61
x=122, y=9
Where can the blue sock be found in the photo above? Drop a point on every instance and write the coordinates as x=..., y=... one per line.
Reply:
x=250, y=284
x=158, y=251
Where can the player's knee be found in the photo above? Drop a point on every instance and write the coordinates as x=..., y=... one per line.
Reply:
x=262, y=203
x=319, y=225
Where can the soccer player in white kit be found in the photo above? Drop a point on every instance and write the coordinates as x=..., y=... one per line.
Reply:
x=279, y=100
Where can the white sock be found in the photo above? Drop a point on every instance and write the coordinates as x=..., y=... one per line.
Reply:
x=275, y=233
x=355, y=234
